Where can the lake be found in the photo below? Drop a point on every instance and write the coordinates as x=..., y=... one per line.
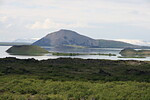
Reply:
x=116, y=51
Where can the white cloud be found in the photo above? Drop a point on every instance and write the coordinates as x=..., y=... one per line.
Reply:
x=8, y=26
x=99, y=11
x=49, y=24
x=3, y=19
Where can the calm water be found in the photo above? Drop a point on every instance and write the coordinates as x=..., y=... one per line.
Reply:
x=116, y=51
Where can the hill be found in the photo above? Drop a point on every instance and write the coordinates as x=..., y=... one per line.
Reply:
x=66, y=37
x=74, y=39
x=26, y=50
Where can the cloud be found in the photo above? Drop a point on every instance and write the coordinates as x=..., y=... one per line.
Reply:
x=49, y=24
x=101, y=11
x=3, y=19
x=8, y=26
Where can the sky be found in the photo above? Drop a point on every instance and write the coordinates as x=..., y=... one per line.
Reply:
x=98, y=19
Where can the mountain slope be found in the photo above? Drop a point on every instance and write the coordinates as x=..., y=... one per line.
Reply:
x=66, y=37
x=115, y=44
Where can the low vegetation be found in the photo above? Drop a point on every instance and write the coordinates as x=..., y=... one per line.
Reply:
x=24, y=88
x=74, y=79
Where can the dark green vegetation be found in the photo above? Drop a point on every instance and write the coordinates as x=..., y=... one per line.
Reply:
x=78, y=69
x=68, y=38
x=135, y=53
x=76, y=54
x=74, y=79
x=26, y=50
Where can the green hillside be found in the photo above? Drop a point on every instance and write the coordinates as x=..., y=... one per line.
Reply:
x=26, y=50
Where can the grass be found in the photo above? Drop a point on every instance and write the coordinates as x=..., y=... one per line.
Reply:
x=25, y=88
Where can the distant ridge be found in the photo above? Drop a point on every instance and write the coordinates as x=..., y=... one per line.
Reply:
x=115, y=44
x=65, y=37
x=13, y=43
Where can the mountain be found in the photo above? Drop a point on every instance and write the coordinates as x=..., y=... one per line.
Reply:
x=68, y=37
x=24, y=40
x=13, y=43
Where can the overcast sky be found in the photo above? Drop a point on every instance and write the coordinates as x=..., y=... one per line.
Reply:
x=99, y=19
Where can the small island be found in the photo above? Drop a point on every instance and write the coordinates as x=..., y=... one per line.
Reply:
x=134, y=53
x=77, y=54
x=27, y=50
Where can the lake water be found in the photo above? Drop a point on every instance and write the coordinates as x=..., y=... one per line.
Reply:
x=116, y=51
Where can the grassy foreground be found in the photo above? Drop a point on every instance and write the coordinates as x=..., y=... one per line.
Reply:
x=74, y=79
x=24, y=88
